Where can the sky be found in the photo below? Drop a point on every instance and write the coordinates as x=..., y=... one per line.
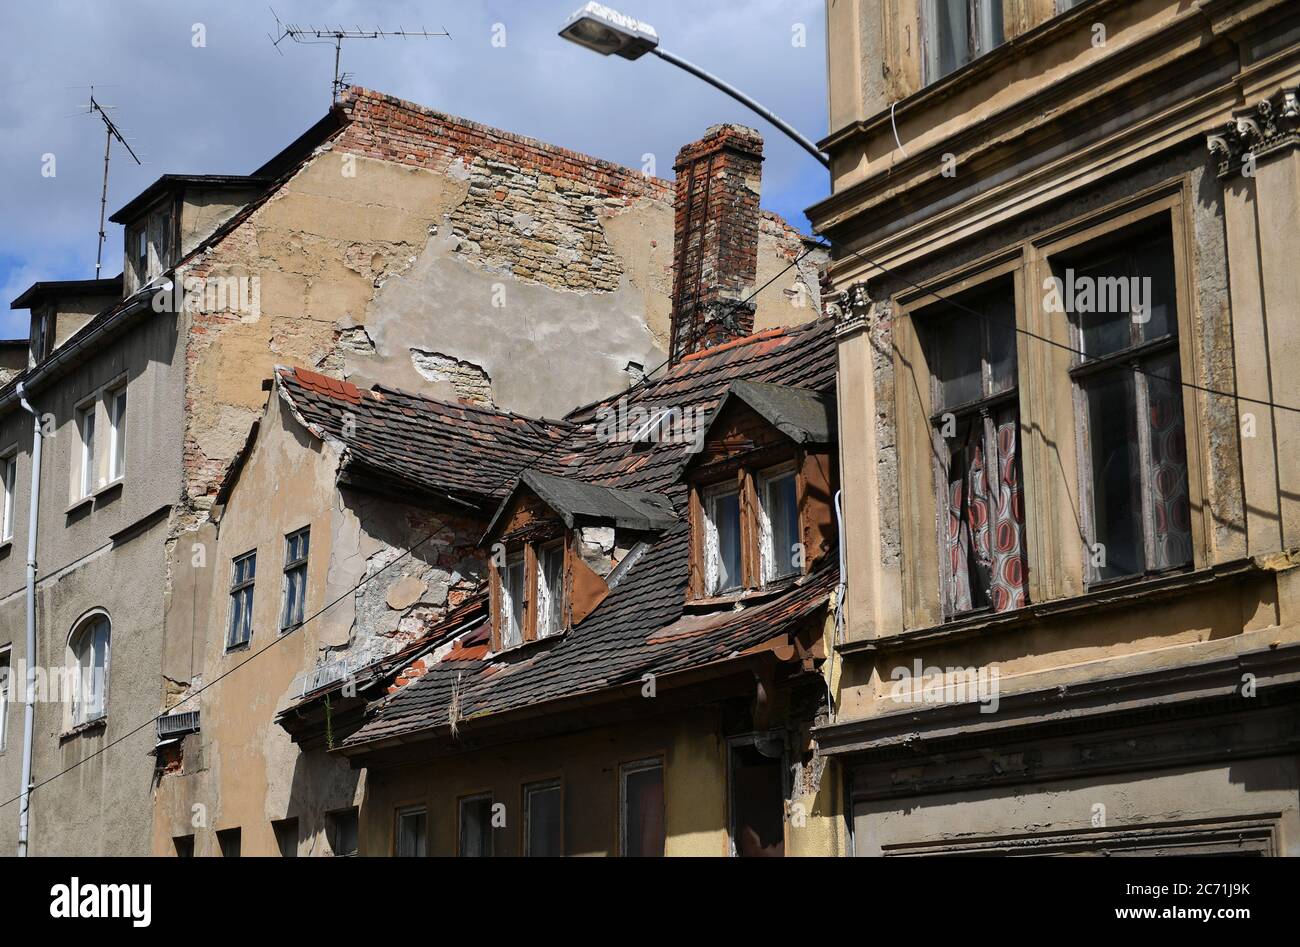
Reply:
x=197, y=87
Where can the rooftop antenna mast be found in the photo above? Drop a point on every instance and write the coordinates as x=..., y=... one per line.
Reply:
x=111, y=131
x=334, y=36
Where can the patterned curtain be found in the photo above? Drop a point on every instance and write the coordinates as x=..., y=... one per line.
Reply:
x=985, y=522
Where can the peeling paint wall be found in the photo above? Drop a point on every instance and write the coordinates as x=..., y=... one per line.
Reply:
x=546, y=271
x=242, y=768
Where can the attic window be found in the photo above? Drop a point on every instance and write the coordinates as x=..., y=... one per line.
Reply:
x=529, y=593
x=761, y=489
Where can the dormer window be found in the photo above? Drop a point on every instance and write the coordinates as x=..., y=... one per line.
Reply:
x=554, y=544
x=761, y=490
x=149, y=246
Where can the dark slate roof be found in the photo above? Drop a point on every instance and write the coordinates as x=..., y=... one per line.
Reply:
x=805, y=416
x=573, y=499
x=641, y=626
x=48, y=289
x=470, y=453
x=169, y=183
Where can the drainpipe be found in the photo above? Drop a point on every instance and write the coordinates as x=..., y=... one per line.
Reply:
x=29, y=703
x=840, y=592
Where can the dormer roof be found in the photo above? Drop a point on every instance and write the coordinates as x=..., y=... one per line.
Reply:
x=573, y=500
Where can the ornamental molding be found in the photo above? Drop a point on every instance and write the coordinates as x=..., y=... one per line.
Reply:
x=1270, y=126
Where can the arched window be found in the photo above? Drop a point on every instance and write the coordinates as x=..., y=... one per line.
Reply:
x=88, y=652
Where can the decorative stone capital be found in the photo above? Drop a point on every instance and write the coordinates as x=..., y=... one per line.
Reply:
x=1273, y=124
x=852, y=309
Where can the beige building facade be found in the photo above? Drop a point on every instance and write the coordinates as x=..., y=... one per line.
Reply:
x=1065, y=240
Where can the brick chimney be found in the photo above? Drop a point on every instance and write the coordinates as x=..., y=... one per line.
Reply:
x=715, y=240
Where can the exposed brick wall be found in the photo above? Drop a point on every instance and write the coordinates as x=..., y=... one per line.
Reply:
x=715, y=239
x=532, y=208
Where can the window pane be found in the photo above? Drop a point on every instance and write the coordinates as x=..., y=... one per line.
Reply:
x=1170, y=506
x=411, y=834
x=8, y=468
x=1116, y=476
x=343, y=832
x=512, y=634
x=6, y=686
x=1001, y=322
x=476, y=827
x=543, y=829
x=959, y=369
x=725, y=517
x=949, y=35
x=119, y=435
x=643, y=812
x=966, y=518
x=552, y=568
x=88, y=452
x=782, y=511
x=1153, y=266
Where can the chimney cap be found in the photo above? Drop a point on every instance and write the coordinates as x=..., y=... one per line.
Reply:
x=724, y=136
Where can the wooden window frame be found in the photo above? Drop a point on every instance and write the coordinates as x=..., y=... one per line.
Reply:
x=84, y=415
x=237, y=587
x=460, y=822
x=973, y=411
x=548, y=783
x=639, y=765
x=400, y=813
x=1120, y=232
x=1055, y=545
x=115, y=404
x=292, y=565
x=8, y=493
x=746, y=476
x=531, y=550
x=78, y=713
x=976, y=41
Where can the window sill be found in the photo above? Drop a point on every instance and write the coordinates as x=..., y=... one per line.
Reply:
x=109, y=487
x=742, y=597
x=525, y=645
x=242, y=646
x=81, y=729
x=1116, y=594
x=78, y=505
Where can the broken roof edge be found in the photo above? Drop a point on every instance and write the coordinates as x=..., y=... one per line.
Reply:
x=574, y=499
x=801, y=414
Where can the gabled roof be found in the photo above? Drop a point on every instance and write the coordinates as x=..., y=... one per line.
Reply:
x=439, y=448
x=641, y=626
x=805, y=416
x=573, y=499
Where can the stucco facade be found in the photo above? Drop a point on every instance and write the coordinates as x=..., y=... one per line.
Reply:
x=1117, y=708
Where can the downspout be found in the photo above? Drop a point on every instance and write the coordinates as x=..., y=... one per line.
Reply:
x=29, y=703
x=841, y=591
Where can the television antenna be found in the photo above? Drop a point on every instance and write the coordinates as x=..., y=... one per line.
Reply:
x=111, y=131
x=334, y=36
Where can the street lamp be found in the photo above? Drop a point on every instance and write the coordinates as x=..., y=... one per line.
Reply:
x=607, y=32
